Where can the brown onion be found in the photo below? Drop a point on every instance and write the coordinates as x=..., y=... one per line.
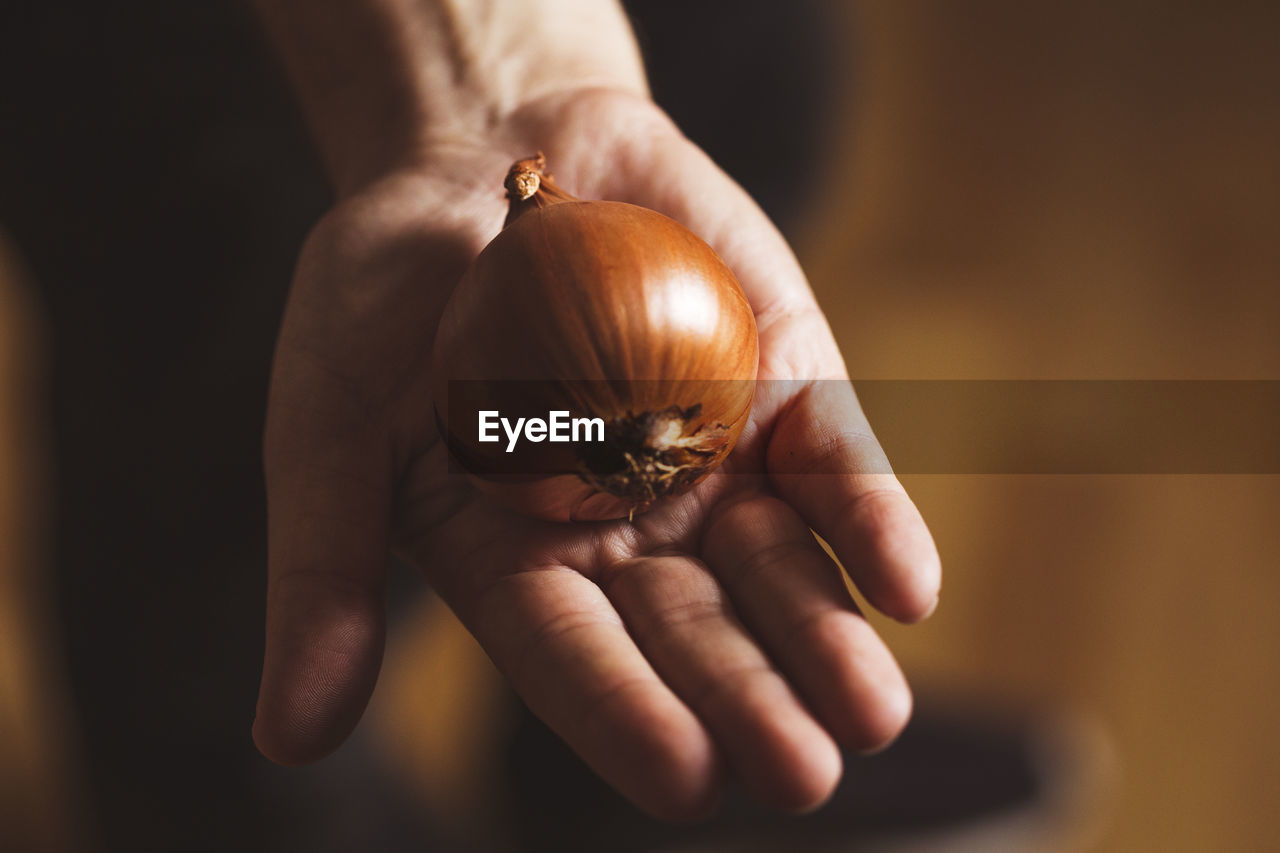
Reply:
x=604, y=310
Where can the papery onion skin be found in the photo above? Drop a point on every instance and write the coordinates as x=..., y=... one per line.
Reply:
x=604, y=309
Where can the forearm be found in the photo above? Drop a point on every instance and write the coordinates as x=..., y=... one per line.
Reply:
x=382, y=81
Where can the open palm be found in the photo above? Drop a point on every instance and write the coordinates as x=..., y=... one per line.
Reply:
x=713, y=636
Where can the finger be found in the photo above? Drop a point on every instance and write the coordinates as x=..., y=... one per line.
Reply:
x=328, y=500
x=790, y=594
x=679, y=617
x=825, y=462
x=566, y=652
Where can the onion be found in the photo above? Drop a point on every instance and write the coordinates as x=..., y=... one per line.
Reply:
x=602, y=310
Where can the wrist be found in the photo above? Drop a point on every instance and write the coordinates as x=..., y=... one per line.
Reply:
x=384, y=83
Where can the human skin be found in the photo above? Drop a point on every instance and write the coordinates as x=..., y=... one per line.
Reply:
x=712, y=638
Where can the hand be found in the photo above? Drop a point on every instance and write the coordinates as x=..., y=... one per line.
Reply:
x=713, y=636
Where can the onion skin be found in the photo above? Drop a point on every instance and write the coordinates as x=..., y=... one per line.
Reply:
x=603, y=309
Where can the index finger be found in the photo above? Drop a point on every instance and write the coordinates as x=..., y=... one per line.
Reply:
x=825, y=461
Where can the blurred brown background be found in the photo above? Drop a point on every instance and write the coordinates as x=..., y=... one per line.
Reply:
x=1004, y=191
x=1087, y=191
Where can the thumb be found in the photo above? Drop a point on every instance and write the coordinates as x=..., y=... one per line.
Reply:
x=328, y=477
